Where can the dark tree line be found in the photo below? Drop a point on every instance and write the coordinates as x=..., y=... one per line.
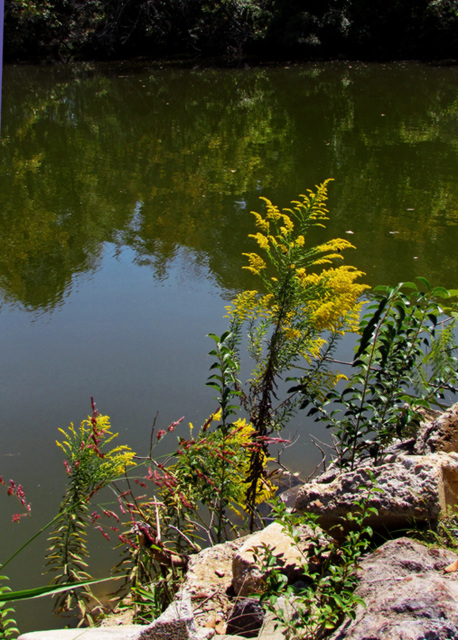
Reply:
x=231, y=29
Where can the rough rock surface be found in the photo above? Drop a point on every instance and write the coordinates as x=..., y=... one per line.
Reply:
x=407, y=595
x=440, y=433
x=177, y=623
x=246, y=570
x=414, y=488
x=207, y=583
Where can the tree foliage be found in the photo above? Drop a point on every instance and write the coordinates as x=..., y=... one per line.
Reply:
x=233, y=29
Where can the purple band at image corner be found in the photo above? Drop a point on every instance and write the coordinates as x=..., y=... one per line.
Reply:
x=2, y=11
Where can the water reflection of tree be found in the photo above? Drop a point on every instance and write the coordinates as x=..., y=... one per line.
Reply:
x=160, y=159
x=390, y=134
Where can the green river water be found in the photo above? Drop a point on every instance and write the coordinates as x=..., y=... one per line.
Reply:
x=125, y=199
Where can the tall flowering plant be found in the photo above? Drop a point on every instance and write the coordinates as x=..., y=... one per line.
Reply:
x=305, y=301
x=90, y=466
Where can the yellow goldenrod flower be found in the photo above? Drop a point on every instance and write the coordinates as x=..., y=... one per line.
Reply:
x=292, y=334
x=261, y=223
x=337, y=244
x=256, y=263
x=288, y=223
x=261, y=240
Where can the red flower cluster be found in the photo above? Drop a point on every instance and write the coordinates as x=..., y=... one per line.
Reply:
x=18, y=491
x=172, y=426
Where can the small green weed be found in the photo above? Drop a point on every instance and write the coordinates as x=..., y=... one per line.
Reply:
x=325, y=594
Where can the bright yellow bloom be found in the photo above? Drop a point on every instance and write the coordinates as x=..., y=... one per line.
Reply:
x=337, y=244
x=339, y=307
x=273, y=212
x=261, y=223
x=243, y=433
x=256, y=263
x=292, y=334
x=261, y=240
x=289, y=224
x=250, y=305
x=86, y=448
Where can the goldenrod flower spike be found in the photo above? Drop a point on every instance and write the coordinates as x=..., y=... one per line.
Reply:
x=256, y=263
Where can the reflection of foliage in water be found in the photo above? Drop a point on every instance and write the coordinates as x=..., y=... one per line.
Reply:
x=157, y=159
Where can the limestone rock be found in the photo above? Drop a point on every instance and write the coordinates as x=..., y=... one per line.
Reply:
x=211, y=569
x=440, y=433
x=207, y=581
x=407, y=595
x=273, y=628
x=176, y=623
x=414, y=488
x=246, y=570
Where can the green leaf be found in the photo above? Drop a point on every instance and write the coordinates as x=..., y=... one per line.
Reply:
x=381, y=288
x=442, y=292
x=424, y=282
x=39, y=592
x=409, y=285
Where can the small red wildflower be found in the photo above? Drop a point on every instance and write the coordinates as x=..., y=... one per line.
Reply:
x=121, y=506
x=104, y=533
x=111, y=514
x=172, y=426
x=185, y=501
x=126, y=540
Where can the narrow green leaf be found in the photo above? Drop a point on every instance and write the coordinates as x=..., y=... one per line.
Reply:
x=39, y=592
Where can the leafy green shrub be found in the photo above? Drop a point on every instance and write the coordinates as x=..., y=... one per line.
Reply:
x=405, y=360
x=325, y=593
x=8, y=628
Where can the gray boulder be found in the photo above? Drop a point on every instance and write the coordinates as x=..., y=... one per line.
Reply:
x=176, y=623
x=247, y=571
x=414, y=488
x=407, y=594
x=440, y=433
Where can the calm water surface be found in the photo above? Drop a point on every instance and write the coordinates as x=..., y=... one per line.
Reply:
x=125, y=194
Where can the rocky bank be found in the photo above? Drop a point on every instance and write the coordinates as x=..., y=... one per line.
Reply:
x=410, y=590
